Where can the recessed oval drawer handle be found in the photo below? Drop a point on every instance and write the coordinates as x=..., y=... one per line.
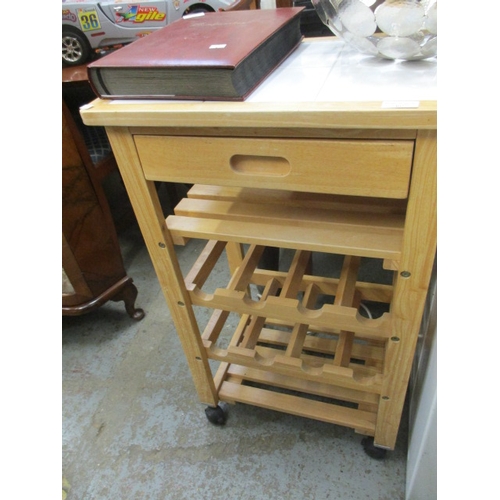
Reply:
x=270, y=166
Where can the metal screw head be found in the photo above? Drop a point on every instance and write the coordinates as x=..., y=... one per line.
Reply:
x=405, y=274
x=395, y=339
x=161, y=245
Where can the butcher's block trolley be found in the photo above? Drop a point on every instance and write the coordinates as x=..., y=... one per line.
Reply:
x=347, y=178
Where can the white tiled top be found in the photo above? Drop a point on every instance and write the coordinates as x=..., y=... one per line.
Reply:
x=326, y=69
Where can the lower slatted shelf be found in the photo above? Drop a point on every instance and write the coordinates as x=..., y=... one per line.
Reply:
x=319, y=401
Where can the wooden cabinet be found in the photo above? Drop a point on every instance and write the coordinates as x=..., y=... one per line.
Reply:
x=93, y=270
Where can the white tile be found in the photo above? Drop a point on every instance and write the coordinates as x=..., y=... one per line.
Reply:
x=329, y=70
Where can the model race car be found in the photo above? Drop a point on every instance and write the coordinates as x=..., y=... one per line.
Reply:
x=91, y=25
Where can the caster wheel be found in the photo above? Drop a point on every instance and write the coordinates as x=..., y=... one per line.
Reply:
x=215, y=415
x=373, y=451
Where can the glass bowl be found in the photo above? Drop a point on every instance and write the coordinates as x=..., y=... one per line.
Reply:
x=392, y=29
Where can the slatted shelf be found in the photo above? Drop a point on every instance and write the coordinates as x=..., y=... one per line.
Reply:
x=362, y=421
x=298, y=199
x=322, y=230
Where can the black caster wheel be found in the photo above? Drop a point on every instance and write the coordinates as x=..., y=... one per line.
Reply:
x=215, y=415
x=371, y=450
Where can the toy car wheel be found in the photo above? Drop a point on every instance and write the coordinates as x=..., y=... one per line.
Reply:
x=75, y=48
x=197, y=8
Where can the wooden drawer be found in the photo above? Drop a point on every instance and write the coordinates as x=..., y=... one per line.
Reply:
x=378, y=168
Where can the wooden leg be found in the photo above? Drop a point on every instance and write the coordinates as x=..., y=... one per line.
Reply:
x=129, y=294
x=123, y=290
x=415, y=268
x=144, y=199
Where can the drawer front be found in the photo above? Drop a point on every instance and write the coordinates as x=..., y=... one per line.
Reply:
x=350, y=167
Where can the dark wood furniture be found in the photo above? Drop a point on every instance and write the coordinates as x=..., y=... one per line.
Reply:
x=93, y=269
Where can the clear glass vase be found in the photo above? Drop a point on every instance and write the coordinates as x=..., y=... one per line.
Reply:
x=392, y=29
